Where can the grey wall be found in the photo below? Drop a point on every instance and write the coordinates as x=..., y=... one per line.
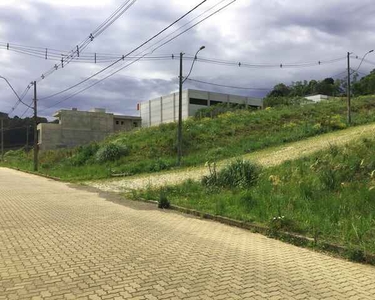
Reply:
x=163, y=109
x=78, y=128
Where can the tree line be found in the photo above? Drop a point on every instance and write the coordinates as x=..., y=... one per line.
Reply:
x=284, y=94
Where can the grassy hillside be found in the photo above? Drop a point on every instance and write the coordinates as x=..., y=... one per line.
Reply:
x=329, y=196
x=229, y=135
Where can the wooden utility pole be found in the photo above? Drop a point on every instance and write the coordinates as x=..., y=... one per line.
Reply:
x=35, y=130
x=348, y=94
x=2, y=139
x=27, y=137
x=179, y=133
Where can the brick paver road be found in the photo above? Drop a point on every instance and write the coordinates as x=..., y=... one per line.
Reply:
x=58, y=242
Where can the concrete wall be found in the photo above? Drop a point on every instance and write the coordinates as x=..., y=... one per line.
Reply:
x=79, y=127
x=163, y=109
x=126, y=124
x=49, y=134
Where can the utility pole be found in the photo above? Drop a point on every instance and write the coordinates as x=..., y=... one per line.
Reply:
x=35, y=131
x=27, y=137
x=179, y=133
x=348, y=94
x=2, y=139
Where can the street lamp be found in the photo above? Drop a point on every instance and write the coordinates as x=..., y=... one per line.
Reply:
x=181, y=81
x=35, y=122
x=363, y=58
x=6, y=80
x=2, y=119
x=349, y=113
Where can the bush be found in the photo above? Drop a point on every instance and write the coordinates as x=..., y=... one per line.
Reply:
x=15, y=153
x=286, y=101
x=238, y=174
x=163, y=201
x=111, y=152
x=219, y=109
x=84, y=153
x=160, y=165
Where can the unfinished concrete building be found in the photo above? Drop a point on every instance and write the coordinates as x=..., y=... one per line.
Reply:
x=165, y=109
x=76, y=128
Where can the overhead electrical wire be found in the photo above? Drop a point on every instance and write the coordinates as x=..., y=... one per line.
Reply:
x=206, y=60
x=113, y=73
x=20, y=100
x=262, y=66
x=75, y=52
x=81, y=47
x=158, y=47
x=86, y=58
x=106, y=57
x=131, y=52
x=229, y=86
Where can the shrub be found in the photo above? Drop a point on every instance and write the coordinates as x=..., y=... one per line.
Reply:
x=15, y=153
x=219, y=109
x=238, y=174
x=160, y=165
x=163, y=201
x=281, y=223
x=84, y=153
x=287, y=101
x=111, y=152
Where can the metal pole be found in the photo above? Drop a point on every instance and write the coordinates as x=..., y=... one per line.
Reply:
x=35, y=131
x=348, y=94
x=179, y=134
x=2, y=139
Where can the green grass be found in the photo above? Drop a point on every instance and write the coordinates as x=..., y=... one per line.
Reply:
x=329, y=196
x=229, y=135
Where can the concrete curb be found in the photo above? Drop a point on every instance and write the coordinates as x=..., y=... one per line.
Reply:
x=291, y=238
x=35, y=173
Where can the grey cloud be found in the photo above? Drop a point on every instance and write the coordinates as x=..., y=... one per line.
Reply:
x=259, y=31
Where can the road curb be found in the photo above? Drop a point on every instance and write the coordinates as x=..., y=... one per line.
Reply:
x=35, y=173
x=354, y=255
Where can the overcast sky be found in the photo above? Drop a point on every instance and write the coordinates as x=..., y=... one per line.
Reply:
x=248, y=31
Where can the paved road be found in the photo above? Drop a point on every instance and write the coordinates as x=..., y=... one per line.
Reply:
x=58, y=242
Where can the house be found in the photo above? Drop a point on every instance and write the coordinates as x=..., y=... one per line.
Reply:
x=317, y=98
x=76, y=128
x=165, y=109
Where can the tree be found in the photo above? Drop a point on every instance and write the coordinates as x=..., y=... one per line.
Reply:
x=280, y=90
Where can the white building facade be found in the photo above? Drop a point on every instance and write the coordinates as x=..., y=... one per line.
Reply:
x=317, y=98
x=165, y=109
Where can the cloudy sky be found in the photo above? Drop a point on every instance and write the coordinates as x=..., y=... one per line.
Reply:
x=248, y=31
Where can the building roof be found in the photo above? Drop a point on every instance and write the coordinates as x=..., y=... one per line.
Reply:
x=123, y=117
x=96, y=111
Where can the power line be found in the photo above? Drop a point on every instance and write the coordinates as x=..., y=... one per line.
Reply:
x=271, y=66
x=80, y=48
x=117, y=14
x=115, y=72
x=87, y=58
x=131, y=52
x=23, y=95
x=108, y=57
x=46, y=53
x=229, y=86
